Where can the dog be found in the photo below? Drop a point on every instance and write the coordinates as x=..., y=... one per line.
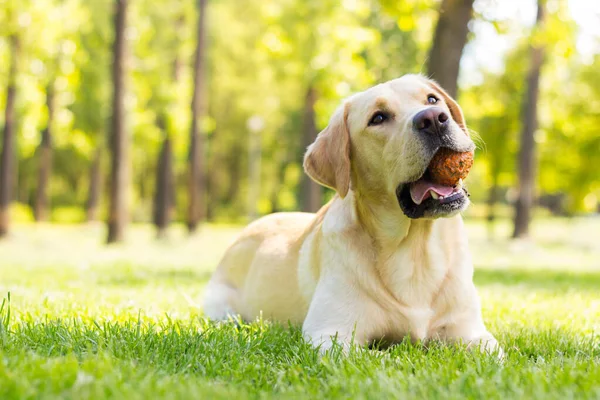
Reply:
x=388, y=256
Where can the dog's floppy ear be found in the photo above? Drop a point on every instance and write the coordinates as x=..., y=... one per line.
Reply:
x=455, y=110
x=327, y=160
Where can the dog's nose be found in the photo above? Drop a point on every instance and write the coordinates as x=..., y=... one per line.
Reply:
x=431, y=120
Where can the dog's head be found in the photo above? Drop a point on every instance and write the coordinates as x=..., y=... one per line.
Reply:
x=380, y=142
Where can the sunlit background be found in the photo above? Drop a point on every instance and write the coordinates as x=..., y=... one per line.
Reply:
x=142, y=121
x=262, y=59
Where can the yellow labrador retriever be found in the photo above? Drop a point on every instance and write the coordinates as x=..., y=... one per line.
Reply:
x=388, y=256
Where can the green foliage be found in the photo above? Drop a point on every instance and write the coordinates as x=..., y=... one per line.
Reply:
x=262, y=58
x=67, y=215
x=566, y=138
x=21, y=213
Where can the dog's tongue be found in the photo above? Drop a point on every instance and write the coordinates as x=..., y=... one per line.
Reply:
x=419, y=190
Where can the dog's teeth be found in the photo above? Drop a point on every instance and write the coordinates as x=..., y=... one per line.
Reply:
x=434, y=194
x=459, y=185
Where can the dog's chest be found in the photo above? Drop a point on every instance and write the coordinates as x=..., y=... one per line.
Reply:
x=414, y=276
x=414, y=285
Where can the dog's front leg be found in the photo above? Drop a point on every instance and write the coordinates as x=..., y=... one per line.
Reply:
x=337, y=314
x=471, y=331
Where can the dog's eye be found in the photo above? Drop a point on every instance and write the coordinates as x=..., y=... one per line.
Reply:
x=378, y=118
x=431, y=99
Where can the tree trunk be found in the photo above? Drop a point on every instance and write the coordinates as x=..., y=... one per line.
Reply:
x=164, y=190
x=492, y=200
x=7, y=158
x=178, y=62
x=197, y=184
x=164, y=196
x=213, y=190
x=234, y=167
x=119, y=143
x=448, y=43
x=40, y=209
x=281, y=161
x=527, y=167
x=95, y=189
x=311, y=193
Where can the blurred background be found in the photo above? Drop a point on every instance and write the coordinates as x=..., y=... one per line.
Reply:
x=126, y=120
x=193, y=111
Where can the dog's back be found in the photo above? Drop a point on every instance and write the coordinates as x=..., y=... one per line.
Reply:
x=264, y=260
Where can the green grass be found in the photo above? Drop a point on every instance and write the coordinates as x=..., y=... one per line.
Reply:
x=87, y=321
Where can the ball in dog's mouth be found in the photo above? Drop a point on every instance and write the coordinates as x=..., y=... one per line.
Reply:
x=448, y=167
x=440, y=191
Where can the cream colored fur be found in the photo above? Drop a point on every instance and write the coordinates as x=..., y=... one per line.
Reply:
x=360, y=269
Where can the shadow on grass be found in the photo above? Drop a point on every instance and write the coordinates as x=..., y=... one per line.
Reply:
x=540, y=279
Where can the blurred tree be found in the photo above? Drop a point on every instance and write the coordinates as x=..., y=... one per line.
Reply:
x=404, y=37
x=40, y=208
x=332, y=41
x=95, y=186
x=448, y=43
x=166, y=97
x=165, y=181
x=290, y=67
x=311, y=193
x=493, y=109
x=197, y=173
x=7, y=157
x=91, y=100
x=58, y=40
x=569, y=144
x=119, y=143
x=527, y=154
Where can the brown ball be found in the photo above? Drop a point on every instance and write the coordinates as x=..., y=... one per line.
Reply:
x=448, y=166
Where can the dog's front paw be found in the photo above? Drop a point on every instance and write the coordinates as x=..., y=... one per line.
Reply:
x=326, y=342
x=487, y=344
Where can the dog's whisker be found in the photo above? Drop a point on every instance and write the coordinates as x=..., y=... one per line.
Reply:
x=477, y=139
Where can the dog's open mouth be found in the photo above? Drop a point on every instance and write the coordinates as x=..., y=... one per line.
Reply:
x=424, y=198
x=423, y=189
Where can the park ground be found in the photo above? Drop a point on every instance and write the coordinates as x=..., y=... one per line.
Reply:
x=81, y=320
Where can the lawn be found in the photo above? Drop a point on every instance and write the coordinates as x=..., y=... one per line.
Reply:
x=88, y=321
